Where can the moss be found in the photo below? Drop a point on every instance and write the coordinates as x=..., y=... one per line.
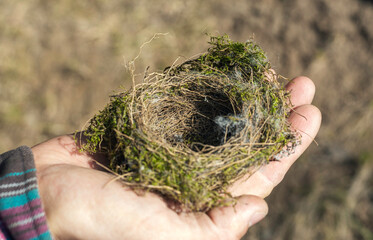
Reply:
x=191, y=131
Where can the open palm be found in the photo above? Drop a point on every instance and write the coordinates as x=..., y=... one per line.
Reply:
x=81, y=202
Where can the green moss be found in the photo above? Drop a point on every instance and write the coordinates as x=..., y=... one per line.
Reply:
x=225, y=57
x=190, y=132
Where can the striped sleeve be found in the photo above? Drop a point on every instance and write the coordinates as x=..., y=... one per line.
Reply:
x=21, y=212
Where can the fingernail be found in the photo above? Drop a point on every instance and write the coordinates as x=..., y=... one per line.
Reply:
x=256, y=217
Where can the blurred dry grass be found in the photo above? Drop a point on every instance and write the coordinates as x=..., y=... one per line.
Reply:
x=59, y=62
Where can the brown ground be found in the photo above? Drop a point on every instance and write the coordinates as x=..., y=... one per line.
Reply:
x=59, y=62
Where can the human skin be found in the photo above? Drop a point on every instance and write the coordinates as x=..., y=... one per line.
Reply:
x=82, y=202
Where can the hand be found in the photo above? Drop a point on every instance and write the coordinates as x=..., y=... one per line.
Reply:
x=82, y=202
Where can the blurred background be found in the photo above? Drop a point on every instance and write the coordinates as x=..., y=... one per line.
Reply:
x=60, y=61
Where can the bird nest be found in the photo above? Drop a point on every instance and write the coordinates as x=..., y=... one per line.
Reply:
x=191, y=131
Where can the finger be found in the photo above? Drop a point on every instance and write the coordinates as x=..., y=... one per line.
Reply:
x=302, y=91
x=235, y=220
x=60, y=150
x=306, y=120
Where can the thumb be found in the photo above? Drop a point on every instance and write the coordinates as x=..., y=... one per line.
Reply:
x=237, y=219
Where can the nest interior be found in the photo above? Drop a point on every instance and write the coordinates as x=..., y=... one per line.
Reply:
x=189, y=132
